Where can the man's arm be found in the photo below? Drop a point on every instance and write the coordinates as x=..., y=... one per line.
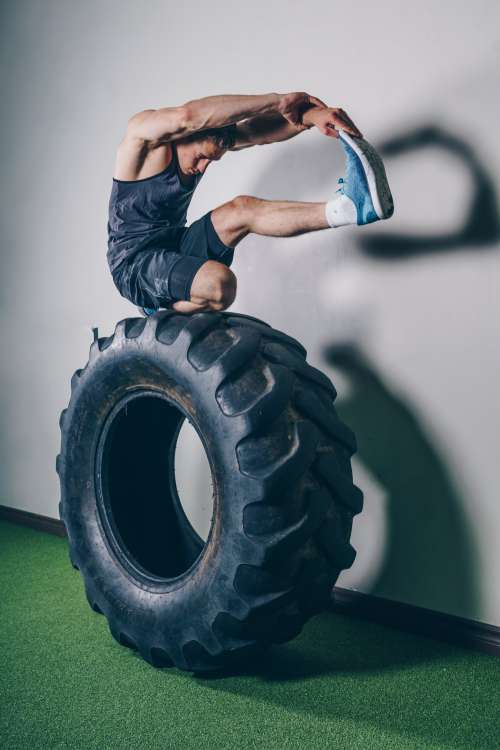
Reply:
x=169, y=123
x=257, y=131
x=217, y=111
x=272, y=128
x=158, y=125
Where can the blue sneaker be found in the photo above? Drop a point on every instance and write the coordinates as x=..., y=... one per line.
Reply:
x=147, y=310
x=365, y=181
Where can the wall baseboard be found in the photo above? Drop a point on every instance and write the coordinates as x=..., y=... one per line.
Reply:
x=34, y=520
x=460, y=631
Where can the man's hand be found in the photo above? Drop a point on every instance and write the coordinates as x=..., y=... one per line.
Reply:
x=292, y=106
x=329, y=120
x=304, y=110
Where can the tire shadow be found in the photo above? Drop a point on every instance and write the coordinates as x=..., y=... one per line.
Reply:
x=430, y=555
x=341, y=669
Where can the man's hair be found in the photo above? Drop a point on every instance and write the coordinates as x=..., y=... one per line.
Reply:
x=224, y=137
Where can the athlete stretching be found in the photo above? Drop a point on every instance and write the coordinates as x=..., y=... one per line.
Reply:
x=155, y=259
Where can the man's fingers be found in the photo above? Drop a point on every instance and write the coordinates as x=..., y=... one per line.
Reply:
x=348, y=125
x=345, y=119
x=333, y=128
x=331, y=131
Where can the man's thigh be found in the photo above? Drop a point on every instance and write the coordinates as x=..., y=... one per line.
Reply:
x=202, y=241
x=161, y=274
x=157, y=277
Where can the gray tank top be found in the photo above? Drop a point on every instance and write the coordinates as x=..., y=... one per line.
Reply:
x=139, y=210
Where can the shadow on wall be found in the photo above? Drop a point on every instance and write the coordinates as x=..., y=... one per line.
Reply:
x=430, y=558
x=481, y=225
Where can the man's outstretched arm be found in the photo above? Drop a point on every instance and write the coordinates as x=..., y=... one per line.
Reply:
x=257, y=131
x=170, y=123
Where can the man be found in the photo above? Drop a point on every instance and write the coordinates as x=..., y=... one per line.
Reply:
x=155, y=259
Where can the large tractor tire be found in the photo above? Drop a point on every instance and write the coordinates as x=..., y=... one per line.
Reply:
x=283, y=493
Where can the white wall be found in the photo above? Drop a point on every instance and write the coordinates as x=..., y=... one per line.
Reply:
x=415, y=298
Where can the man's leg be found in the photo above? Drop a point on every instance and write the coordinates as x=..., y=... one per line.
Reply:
x=213, y=288
x=214, y=285
x=244, y=214
x=364, y=197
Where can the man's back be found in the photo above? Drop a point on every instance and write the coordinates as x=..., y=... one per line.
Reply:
x=140, y=206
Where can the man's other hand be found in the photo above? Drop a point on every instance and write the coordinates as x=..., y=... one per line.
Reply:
x=329, y=120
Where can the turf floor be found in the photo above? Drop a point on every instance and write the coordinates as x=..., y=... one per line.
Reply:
x=343, y=683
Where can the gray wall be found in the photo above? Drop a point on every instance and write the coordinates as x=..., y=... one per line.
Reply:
x=401, y=315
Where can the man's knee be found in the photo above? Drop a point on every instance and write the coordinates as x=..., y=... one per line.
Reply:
x=232, y=220
x=236, y=213
x=214, y=284
x=244, y=204
x=224, y=288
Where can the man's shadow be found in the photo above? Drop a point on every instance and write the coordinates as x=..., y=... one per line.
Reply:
x=481, y=225
x=430, y=554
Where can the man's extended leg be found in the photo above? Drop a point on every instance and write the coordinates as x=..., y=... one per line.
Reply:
x=364, y=197
x=235, y=219
x=214, y=285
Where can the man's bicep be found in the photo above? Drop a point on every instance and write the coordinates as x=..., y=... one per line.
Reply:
x=160, y=125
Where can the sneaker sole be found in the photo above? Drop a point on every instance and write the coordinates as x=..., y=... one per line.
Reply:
x=380, y=192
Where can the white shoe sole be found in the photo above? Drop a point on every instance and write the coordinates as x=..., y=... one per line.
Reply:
x=373, y=166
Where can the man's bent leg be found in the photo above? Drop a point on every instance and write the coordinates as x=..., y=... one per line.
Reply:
x=213, y=288
x=158, y=278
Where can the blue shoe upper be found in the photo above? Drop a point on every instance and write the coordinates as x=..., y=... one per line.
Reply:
x=355, y=186
x=149, y=310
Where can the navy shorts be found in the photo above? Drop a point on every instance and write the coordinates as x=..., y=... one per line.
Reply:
x=162, y=272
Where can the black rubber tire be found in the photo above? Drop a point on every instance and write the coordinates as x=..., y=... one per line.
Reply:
x=284, y=498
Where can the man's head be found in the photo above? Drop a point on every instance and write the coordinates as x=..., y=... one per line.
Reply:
x=195, y=152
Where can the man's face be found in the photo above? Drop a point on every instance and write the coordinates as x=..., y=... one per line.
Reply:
x=194, y=157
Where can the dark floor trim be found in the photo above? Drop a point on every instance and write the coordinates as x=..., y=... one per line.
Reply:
x=457, y=630
x=460, y=631
x=34, y=520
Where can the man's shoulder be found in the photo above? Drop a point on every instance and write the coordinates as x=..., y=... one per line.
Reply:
x=137, y=158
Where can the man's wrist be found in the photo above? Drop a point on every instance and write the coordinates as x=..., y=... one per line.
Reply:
x=305, y=114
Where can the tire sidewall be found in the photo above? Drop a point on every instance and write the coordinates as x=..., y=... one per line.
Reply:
x=114, y=373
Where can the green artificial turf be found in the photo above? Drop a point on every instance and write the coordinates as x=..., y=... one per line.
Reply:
x=343, y=683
